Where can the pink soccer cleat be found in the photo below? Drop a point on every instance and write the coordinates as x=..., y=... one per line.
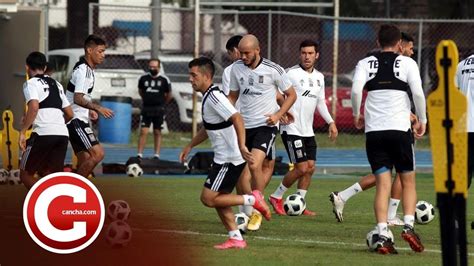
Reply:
x=231, y=243
x=261, y=205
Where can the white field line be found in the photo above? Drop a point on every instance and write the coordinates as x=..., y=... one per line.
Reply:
x=308, y=241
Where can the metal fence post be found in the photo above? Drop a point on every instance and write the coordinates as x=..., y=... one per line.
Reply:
x=335, y=59
x=155, y=28
x=91, y=18
x=269, y=36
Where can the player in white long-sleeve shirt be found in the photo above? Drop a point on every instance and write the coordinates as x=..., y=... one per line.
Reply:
x=465, y=82
x=298, y=136
x=225, y=128
x=387, y=77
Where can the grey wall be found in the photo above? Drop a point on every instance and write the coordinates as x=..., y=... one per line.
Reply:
x=19, y=36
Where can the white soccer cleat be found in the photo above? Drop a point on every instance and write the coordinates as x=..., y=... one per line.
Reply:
x=395, y=221
x=337, y=206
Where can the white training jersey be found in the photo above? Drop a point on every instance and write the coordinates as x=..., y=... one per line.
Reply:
x=310, y=93
x=216, y=109
x=82, y=81
x=388, y=109
x=465, y=82
x=257, y=90
x=226, y=79
x=50, y=95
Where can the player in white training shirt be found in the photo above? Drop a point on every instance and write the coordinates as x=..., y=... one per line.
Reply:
x=465, y=81
x=387, y=76
x=254, y=82
x=224, y=127
x=298, y=136
x=48, y=108
x=340, y=198
x=88, y=150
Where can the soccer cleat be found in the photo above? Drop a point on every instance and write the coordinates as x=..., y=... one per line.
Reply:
x=337, y=206
x=231, y=243
x=385, y=246
x=277, y=205
x=395, y=221
x=412, y=238
x=255, y=221
x=261, y=206
x=307, y=212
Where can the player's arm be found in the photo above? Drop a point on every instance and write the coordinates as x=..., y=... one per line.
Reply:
x=33, y=107
x=414, y=82
x=356, y=94
x=201, y=136
x=288, y=101
x=239, y=127
x=233, y=88
x=83, y=100
x=324, y=112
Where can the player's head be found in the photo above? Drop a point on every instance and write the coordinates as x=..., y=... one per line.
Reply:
x=201, y=72
x=407, y=45
x=94, y=49
x=36, y=62
x=309, y=52
x=154, y=66
x=249, y=48
x=232, y=47
x=389, y=36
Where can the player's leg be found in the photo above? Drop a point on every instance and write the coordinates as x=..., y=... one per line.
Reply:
x=86, y=146
x=243, y=187
x=267, y=169
x=235, y=237
x=395, y=196
x=30, y=161
x=303, y=185
x=145, y=123
x=157, y=126
x=96, y=153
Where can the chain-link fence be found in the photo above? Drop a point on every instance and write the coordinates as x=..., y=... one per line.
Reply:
x=128, y=30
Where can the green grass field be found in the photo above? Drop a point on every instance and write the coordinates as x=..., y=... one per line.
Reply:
x=169, y=208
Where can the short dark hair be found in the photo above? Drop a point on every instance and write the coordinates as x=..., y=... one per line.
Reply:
x=155, y=59
x=233, y=42
x=93, y=40
x=407, y=37
x=389, y=35
x=205, y=64
x=36, y=61
x=308, y=43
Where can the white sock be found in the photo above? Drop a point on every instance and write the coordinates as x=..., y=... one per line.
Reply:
x=302, y=192
x=235, y=234
x=157, y=155
x=392, y=208
x=409, y=220
x=383, y=229
x=249, y=200
x=280, y=191
x=140, y=155
x=241, y=208
x=248, y=210
x=347, y=193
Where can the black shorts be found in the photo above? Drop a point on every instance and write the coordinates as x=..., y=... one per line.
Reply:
x=44, y=153
x=261, y=138
x=299, y=149
x=157, y=120
x=223, y=177
x=389, y=148
x=81, y=135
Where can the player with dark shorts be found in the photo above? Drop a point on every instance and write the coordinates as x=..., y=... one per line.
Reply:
x=48, y=108
x=85, y=144
x=155, y=91
x=225, y=128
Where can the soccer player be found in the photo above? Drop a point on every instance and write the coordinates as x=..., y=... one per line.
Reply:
x=339, y=199
x=48, y=112
x=224, y=127
x=298, y=136
x=155, y=91
x=88, y=150
x=465, y=81
x=254, y=82
x=387, y=76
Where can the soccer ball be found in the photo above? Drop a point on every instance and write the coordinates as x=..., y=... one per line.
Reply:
x=118, y=210
x=294, y=205
x=134, y=170
x=14, y=177
x=424, y=212
x=242, y=220
x=373, y=236
x=118, y=234
x=4, y=174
